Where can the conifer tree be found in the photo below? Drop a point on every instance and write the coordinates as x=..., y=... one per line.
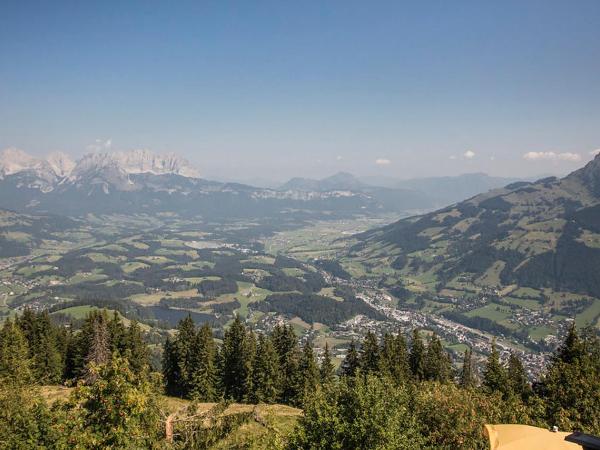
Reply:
x=327, y=369
x=99, y=347
x=308, y=372
x=135, y=349
x=417, y=356
x=393, y=358
x=351, y=363
x=117, y=334
x=369, y=354
x=183, y=343
x=570, y=386
x=47, y=358
x=265, y=373
x=286, y=346
x=494, y=374
x=437, y=361
x=235, y=362
x=170, y=369
x=15, y=364
x=467, y=379
x=203, y=366
x=518, y=384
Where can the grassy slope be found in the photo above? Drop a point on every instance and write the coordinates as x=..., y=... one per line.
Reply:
x=280, y=419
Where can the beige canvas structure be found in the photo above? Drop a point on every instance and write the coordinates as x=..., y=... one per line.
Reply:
x=524, y=437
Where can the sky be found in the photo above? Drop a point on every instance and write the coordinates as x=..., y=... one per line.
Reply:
x=274, y=89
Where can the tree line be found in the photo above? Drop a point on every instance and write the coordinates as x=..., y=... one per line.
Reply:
x=393, y=392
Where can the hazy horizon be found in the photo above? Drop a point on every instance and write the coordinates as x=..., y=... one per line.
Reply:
x=277, y=90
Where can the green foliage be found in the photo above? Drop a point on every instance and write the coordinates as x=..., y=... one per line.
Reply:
x=265, y=373
x=44, y=340
x=326, y=369
x=494, y=373
x=15, y=365
x=119, y=410
x=417, y=356
x=365, y=412
x=518, y=384
x=204, y=370
x=286, y=347
x=437, y=361
x=351, y=363
x=24, y=418
x=236, y=360
x=393, y=361
x=570, y=387
x=369, y=354
x=467, y=379
x=308, y=372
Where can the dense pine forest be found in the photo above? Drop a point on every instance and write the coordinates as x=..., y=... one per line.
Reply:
x=399, y=392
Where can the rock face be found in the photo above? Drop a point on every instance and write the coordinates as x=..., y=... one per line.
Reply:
x=61, y=164
x=13, y=160
x=144, y=161
x=57, y=166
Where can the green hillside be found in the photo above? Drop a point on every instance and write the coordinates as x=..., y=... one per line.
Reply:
x=533, y=246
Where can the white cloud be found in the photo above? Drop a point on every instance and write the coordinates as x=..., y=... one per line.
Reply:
x=452, y=156
x=469, y=154
x=100, y=145
x=552, y=156
x=492, y=158
x=383, y=162
x=595, y=152
x=339, y=157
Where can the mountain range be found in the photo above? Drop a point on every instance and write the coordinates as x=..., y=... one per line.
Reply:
x=542, y=235
x=140, y=181
x=429, y=192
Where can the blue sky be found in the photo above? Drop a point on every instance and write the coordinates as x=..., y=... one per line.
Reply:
x=275, y=89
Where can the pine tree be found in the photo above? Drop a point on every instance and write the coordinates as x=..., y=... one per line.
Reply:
x=308, y=371
x=417, y=356
x=327, y=369
x=170, y=369
x=203, y=366
x=186, y=336
x=47, y=358
x=99, y=347
x=437, y=361
x=236, y=369
x=570, y=386
x=117, y=334
x=369, y=354
x=286, y=346
x=351, y=363
x=467, y=379
x=265, y=373
x=494, y=374
x=518, y=384
x=15, y=364
x=135, y=349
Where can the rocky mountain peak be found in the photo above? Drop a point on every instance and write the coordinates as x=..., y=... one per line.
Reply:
x=61, y=163
x=14, y=160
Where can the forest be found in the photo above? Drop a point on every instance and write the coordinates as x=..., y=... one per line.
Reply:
x=395, y=392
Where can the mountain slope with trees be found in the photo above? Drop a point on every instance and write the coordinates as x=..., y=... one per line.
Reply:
x=542, y=235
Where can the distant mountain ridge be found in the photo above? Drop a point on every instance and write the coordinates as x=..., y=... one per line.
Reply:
x=13, y=161
x=431, y=192
x=341, y=181
x=139, y=181
x=448, y=190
